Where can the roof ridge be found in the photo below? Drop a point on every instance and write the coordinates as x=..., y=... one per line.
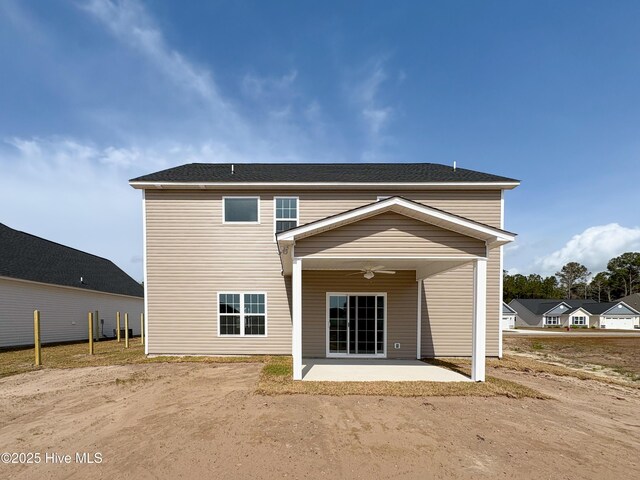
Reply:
x=59, y=244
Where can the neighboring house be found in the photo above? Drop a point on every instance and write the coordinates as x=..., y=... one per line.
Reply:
x=64, y=284
x=508, y=317
x=324, y=260
x=575, y=313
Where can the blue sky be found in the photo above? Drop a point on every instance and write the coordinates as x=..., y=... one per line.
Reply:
x=94, y=93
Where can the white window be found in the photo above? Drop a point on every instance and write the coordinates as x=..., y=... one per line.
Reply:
x=285, y=213
x=552, y=320
x=242, y=314
x=579, y=320
x=241, y=210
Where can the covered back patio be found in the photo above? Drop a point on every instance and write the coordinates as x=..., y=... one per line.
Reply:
x=357, y=289
x=376, y=370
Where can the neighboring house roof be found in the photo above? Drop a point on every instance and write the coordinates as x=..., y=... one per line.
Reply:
x=321, y=173
x=632, y=300
x=27, y=257
x=507, y=310
x=540, y=306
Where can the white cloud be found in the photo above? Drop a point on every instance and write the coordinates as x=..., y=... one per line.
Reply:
x=77, y=193
x=593, y=248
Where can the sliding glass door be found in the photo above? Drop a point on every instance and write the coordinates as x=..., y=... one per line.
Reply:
x=356, y=324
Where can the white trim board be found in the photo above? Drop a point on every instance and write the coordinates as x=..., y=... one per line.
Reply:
x=144, y=266
x=324, y=185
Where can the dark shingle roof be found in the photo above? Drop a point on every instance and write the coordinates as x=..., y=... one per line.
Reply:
x=632, y=300
x=320, y=172
x=507, y=310
x=28, y=257
x=538, y=306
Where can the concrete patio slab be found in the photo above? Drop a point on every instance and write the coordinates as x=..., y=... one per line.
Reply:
x=376, y=370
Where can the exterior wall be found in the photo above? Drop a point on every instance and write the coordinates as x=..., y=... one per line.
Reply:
x=402, y=308
x=192, y=255
x=525, y=317
x=63, y=312
x=508, y=321
x=390, y=234
x=577, y=313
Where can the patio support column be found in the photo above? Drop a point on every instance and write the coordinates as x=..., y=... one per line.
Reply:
x=296, y=331
x=478, y=358
x=419, y=322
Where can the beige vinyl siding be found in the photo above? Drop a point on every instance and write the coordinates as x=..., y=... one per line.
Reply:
x=63, y=312
x=402, y=304
x=191, y=256
x=389, y=234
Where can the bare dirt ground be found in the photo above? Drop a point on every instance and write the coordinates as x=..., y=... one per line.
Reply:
x=618, y=355
x=204, y=421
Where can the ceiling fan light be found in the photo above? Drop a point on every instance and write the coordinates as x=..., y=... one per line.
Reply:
x=368, y=275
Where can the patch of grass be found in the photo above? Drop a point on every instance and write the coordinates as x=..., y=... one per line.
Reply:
x=537, y=346
x=109, y=352
x=276, y=379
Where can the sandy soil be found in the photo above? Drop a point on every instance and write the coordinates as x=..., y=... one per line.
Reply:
x=615, y=353
x=203, y=421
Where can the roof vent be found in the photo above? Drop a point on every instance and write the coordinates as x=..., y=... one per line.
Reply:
x=232, y=169
x=454, y=165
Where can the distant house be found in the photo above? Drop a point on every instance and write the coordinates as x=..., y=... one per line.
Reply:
x=64, y=284
x=508, y=317
x=576, y=313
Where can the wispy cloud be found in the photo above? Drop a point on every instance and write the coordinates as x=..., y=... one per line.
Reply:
x=129, y=21
x=258, y=87
x=364, y=91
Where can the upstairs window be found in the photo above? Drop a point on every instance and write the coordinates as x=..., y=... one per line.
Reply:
x=241, y=210
x=286, y=213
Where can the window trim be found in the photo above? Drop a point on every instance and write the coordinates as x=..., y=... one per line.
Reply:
x=239, y=197
x=556, y=318
x=582, y=318
x=275, y=219
x=242, y=313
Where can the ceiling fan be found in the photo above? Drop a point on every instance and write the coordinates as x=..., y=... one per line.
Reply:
x=369, y=272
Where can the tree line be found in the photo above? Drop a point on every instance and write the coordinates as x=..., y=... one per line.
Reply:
x=574, y=280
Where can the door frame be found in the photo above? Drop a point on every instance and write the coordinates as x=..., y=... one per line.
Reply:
x=327, y=325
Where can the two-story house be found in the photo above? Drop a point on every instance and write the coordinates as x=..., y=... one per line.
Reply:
x=385, y=261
